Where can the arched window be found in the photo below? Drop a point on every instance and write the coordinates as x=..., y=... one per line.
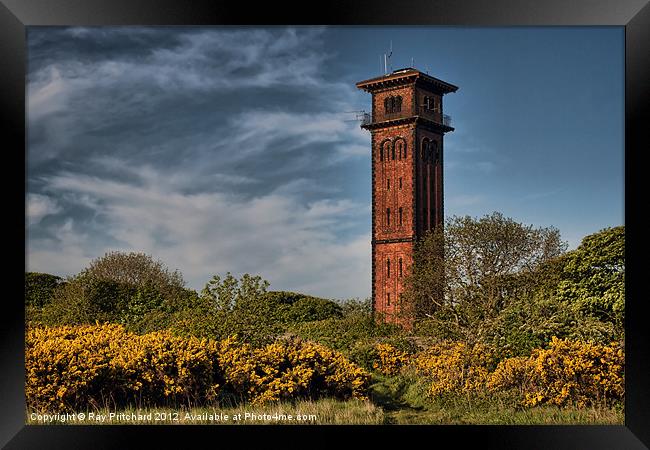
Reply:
x=388, y=268
x=393, y=153
x=392, y=104
x=401, y=148
x=425, y=149
x=385, y=151
x=436, y=152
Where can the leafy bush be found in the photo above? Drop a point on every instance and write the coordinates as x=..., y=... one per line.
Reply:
x=356, y=326
x=294, y=369
x=568, y=372
x=39, y=288
x=127, y=288
x=390, y=360
x=76, y=367
x=455, y=367
x=593, y=278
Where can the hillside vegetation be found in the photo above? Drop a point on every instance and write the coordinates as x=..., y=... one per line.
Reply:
x=506, y=324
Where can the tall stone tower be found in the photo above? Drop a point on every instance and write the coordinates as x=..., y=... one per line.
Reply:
x=407, y=127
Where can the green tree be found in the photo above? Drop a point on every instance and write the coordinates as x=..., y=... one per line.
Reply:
x=228, y=306
x=39, y=288
x=465, y=276
x=593, y=277
x=128, y=288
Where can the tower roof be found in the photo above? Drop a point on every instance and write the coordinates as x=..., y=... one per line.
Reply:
x=406, y=75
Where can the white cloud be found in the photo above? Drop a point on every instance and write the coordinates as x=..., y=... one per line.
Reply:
x=176, y=205
x=293, y=245
x=39, y=206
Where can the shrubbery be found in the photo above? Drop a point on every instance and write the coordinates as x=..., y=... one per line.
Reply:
x=39, y=288
x=455, y=367
x=568, y=372
x=74, y=367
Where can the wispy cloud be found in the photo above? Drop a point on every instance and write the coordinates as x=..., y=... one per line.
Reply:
x=209, y=233
x=39, y=206
x=212, y=149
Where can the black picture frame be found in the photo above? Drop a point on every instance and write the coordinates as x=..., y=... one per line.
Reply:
x=16, y=15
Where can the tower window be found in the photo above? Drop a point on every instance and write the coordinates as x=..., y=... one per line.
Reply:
x=393, y=153
x=400, y=183
x=400, y=267
x=388, y=184
x=388, y=217
x=400, y=216
x=388, y=268
x=385, y=151
x=393, y=104
x=388, y=299
x=425, y=149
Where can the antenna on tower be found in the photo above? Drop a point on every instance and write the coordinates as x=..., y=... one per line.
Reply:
x=387, y=58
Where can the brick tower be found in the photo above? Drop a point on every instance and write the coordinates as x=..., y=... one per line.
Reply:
x=407, y=126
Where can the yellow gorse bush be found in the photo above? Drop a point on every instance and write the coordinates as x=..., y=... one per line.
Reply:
x=290, y=369
x=568, y=372
x=390, y=360
x=97, y=365
x=455, y=367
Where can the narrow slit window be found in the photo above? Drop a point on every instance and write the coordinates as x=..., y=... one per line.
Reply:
x=400, y=183
x=400, y=216
x=388, y=217
x=400, y=267
x=388, y=268
x=388, y=184
x=388, y=299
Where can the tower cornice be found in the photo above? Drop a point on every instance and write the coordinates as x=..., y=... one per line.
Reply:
x=404, y=77
x=418, y=120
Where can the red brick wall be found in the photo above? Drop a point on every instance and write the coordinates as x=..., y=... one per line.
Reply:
x=421, y=186
x=393, y=197
x=406, y=92
x=429, y=184
x=393, y=284
x=421, y=93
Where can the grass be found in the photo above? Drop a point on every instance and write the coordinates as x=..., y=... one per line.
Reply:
x=405, y=402
x=394, y=400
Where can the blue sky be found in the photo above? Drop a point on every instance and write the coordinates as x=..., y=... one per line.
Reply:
x=234, y=149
